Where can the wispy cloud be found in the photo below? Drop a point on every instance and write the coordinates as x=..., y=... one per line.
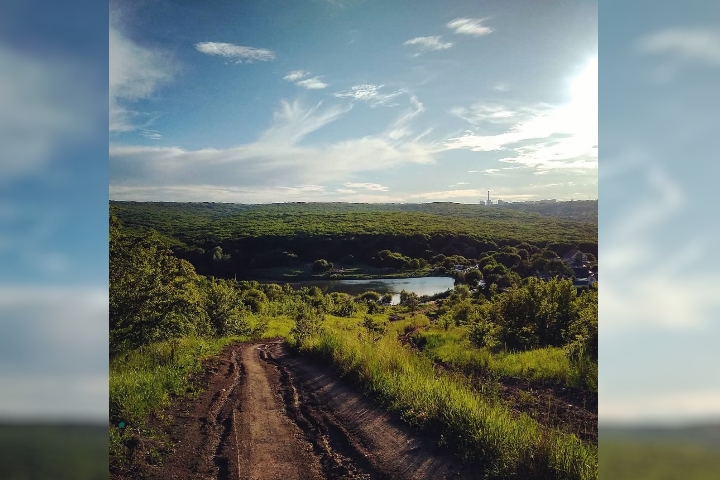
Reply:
x=426, y=44
x=151, y=134
x=277, y=158
x=470, y=26
x=312, y=83
x=368, y=186
x=43, y=105
x=543, y=137
x=697, y=44
x=371, y=94
x=492, y=113
x=136, y=73
x=238, y=54
x=670, y=408
x=296, y=75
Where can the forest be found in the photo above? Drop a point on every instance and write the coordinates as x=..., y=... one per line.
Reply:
x=279, y=240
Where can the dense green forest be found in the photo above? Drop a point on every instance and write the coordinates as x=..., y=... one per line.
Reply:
x=232, y=240
x=165, y=318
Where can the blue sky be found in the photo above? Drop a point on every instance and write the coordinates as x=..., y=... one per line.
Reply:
x=659, y=111
x=53, y=212
x=362, y=101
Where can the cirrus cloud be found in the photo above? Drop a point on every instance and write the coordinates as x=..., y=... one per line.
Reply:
x=238, y=53
x=469, y=26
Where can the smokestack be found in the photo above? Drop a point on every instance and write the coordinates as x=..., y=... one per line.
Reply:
x=488, y=202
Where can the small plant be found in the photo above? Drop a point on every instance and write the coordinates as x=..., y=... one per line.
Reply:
x=375, y=328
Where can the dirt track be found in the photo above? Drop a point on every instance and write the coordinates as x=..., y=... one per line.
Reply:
x=269, y=414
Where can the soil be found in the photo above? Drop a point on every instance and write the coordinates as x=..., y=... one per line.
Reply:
x=267, y=413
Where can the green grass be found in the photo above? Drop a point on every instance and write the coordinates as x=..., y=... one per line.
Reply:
x=549, y=364
x=59, y=452
x=505, y=444
x=634, y=459
x=142, y=381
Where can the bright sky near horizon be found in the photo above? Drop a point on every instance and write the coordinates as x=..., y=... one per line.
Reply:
x=359, y=101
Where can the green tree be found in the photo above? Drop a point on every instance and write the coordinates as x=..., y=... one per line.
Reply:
x=225, y=309
x=153, y=295
x=321, y=265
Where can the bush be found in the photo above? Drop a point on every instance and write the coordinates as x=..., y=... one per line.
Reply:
x=321, y=265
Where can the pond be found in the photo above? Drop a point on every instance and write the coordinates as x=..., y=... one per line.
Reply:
x=420, y=286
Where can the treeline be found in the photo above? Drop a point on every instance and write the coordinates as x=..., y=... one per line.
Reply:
x=226, y=240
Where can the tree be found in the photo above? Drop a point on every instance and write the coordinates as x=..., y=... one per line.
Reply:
x=473, y=277
x=369, y=297
x=321, y=265
x=153, y=295
x=308, y=322
x=409, y=300
x=224, y=309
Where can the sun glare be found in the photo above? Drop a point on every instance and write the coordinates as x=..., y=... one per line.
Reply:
x=584, y=86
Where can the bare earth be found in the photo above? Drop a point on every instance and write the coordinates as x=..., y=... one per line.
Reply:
x=270, y=414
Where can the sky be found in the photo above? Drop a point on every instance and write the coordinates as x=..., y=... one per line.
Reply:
x=354, y=101
x=658, y=229
x=53, y=212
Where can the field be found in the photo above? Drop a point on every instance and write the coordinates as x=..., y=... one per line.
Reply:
x=691, y=453
x=62, y=452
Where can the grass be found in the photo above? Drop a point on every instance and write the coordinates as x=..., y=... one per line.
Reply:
x=549, y=364
x=143, y=381
x=60, y=452
x=633, y=459
x=505, y=444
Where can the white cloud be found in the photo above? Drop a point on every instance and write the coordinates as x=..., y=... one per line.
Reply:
x=151, y=134
x=345, y=190
x=469, y=26
x=312, y=83
x=53, y=330
x=429, y=43
x=237, y=53
x=678, y=407
x=699, y=44
x=370, y=93
x=479, y=113
x=43, y=105
x=296, y=75
x=135, y=73
x=501, y=87
x=368, y=186
x=563, y=137
x=276, y=158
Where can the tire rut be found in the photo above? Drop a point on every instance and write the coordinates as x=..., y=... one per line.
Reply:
x=340, y=459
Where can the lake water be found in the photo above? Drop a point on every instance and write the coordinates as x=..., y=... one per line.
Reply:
x=420, y=286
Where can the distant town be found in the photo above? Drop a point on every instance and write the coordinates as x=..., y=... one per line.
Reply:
x=503, y=202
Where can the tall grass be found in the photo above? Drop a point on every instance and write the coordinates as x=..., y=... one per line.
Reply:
x=549, y=364
x=143, y=380
x=505, y=444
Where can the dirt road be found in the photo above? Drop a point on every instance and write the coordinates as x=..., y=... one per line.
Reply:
x=269, y=414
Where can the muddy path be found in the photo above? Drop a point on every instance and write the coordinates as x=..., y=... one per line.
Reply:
x=268, y=413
